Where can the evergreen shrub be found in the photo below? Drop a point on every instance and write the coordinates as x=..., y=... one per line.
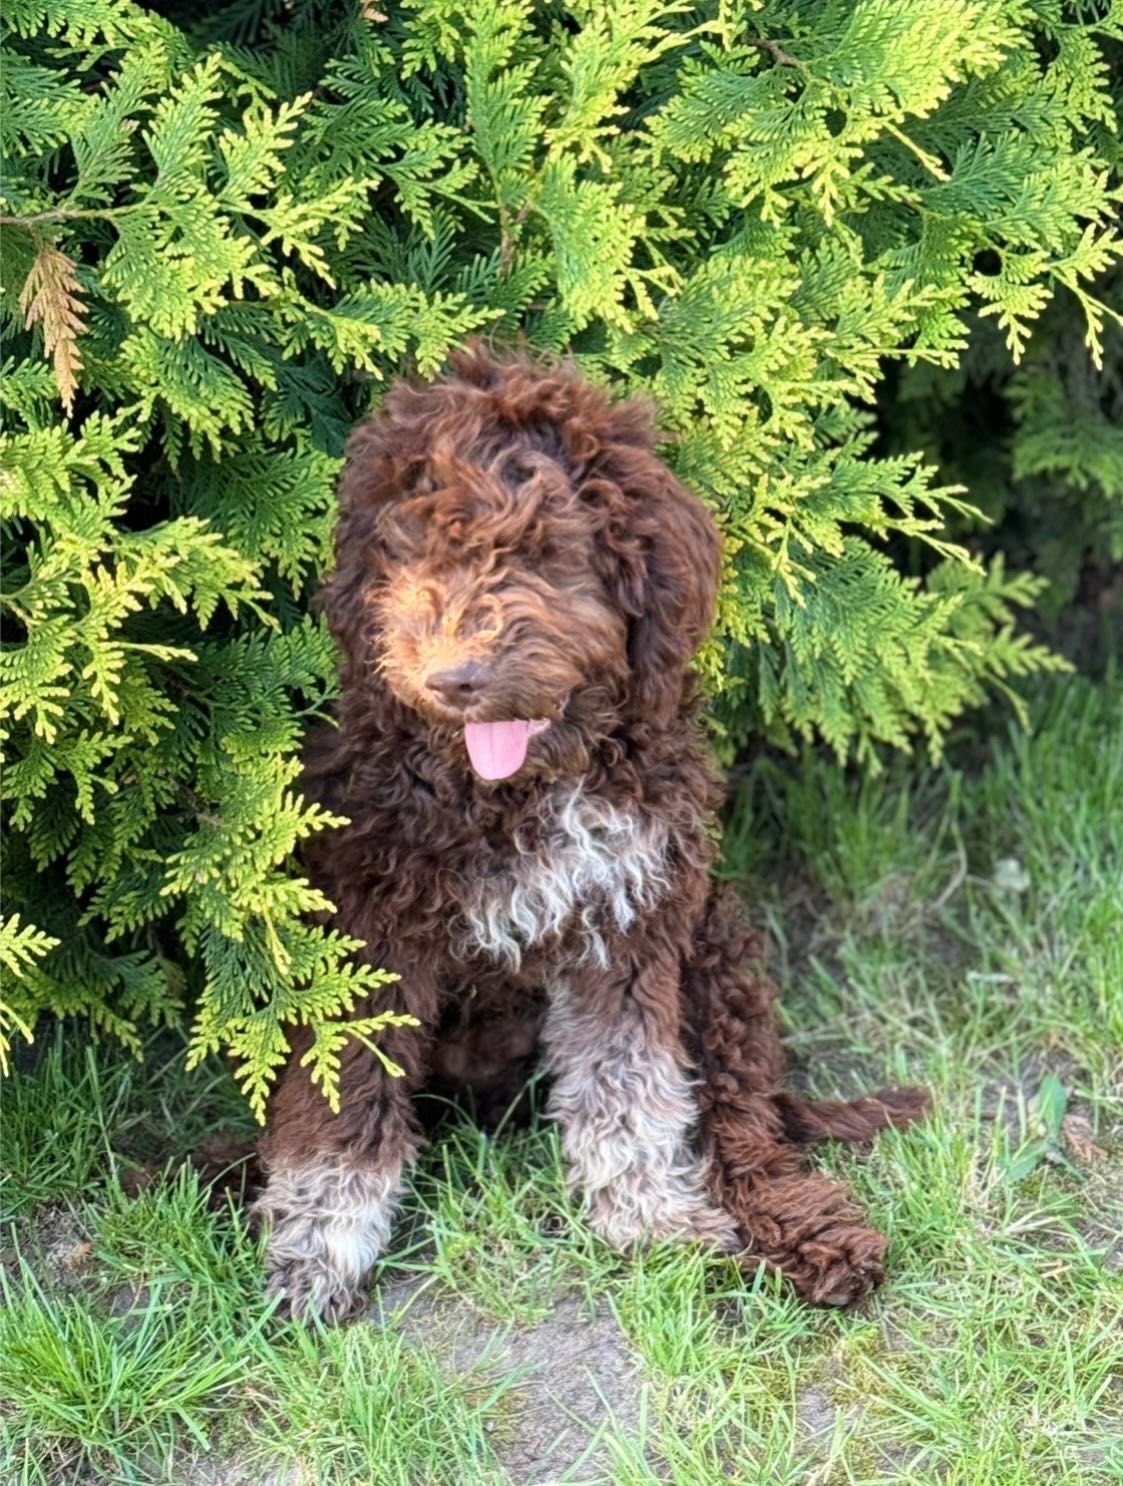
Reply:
x=226, y=227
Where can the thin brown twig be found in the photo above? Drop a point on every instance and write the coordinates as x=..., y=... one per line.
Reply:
x=958, y=876
x=774, y=49
x=197, y=804
x=507, y=238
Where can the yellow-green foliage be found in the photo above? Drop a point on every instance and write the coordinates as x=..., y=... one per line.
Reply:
x=225, y=228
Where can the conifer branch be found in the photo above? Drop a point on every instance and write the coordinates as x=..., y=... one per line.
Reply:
x=930, y=163
x=70, y=214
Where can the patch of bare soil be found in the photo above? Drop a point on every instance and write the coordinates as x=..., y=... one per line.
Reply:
x=217, y=1471
x=55, y=1247
x=577, y=1375
x=816, y=1415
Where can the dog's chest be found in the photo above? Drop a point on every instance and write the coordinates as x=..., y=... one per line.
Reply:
x=591, y=867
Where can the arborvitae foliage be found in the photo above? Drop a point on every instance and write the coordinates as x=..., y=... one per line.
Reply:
x=226, y=227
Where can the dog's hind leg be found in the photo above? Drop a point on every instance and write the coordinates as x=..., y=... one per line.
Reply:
x=797, y=1221
x=332, y=1180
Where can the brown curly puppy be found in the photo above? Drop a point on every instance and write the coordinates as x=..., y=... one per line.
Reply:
x=519, y=589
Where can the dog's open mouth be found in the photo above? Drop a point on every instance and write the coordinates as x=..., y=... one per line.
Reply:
x=498, y=749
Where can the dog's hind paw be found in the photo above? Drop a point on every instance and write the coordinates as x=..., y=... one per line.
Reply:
x=843, y=1269
x=806, y=1227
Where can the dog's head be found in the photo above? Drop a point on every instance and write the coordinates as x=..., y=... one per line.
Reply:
x=515, y=563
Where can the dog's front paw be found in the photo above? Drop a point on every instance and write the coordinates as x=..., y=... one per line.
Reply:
x=630, y=1213
x=311, y=1289
x=327, y=1226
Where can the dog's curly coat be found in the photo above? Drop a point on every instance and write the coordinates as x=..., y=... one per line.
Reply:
x=519, y=589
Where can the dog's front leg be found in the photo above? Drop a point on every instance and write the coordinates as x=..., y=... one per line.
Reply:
x=626, y=1103
x=332, y=1180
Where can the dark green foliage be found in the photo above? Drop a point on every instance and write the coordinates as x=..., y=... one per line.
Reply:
x=1039, y=444
x=225, y=232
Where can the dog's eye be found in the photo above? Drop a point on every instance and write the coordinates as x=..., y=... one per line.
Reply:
x=519, y=466
x=403, y=528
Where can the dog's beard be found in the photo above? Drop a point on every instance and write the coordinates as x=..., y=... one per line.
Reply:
x=496, y=750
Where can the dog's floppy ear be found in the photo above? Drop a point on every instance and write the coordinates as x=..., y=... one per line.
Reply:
x=681, y=570
x=664, y=553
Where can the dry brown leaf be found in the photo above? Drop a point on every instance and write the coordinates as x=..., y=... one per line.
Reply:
x=1077, y=1134
x=51, y=296
x=78, y=1257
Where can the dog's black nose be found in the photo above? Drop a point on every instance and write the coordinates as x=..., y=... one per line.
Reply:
x=461, y=685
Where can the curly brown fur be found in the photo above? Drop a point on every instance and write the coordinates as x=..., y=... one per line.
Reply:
x=520, y=585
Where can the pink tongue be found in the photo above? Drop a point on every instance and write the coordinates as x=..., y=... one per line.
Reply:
x=497, y=749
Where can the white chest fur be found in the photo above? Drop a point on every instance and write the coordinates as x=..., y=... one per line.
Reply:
x=594, y=865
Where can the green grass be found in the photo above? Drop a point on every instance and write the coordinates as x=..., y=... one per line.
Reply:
x=962, y=928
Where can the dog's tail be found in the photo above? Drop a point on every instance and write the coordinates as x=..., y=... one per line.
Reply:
x=731, y=1003
x=808, y=1120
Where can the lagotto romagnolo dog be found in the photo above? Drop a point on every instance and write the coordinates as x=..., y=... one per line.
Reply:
x=520, y=585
